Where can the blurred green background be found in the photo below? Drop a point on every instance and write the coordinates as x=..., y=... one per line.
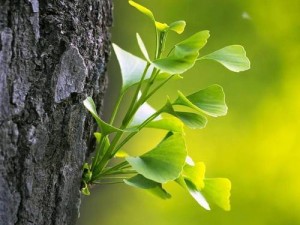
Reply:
x=256, y=146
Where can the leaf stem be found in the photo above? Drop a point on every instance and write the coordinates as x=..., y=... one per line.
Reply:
x=135, y=97
x=156, y=114
x=116, y=108
x=98, y=151
x=158, y=87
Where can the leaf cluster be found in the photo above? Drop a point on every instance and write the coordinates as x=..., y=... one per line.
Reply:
x=169, y=160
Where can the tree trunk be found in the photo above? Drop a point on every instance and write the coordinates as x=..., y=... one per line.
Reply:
x=53, y=55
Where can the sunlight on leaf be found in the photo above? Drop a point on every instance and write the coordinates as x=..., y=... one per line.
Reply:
x=232, y=57
x=163, y=163
x=142, y=47
x=217, y=191
x=195, y=174
x=178, y=26
x=142, y=114
x=143, y=10
x=161, y=26
x=121, y=154
x=132, y=67
x=197, y=195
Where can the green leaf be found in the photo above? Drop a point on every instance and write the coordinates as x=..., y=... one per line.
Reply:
x=87, y=173
x=104, y=127
x=174, y=64
x=155, y=188
x=161, y=26
x=210, y=101
x=170, y=123
x=163, y=163
x=192, y=120
x=142, y=47
x=143, y=10
x=166, y=122
x=103, y=147
x=192, y=44
x=177, y=26
x=121, y=154
x=184, y=54
x=232, y=57
x=217, y=191
x=197, y=195
x=192, y=179
x=132, y=68
x=195, y=174
x=142, y=114
x=85, y=190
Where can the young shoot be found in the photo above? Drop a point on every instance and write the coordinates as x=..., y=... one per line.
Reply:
x=169, y=160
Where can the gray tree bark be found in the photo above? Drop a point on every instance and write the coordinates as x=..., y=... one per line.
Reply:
x=53, y=54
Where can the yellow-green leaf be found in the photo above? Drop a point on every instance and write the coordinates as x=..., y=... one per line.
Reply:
x=210, y=101
x=163, y=163
x=153, y=187
x=232, y=57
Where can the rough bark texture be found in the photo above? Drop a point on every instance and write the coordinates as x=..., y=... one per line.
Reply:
x=52, y=55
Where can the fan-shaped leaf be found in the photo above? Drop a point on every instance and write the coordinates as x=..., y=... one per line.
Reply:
x=132, y=67
x=232, y=57
x=210, y=100
x=184, y=54
x=170, y=123
x=164, y=162
x=174, y=64
x=155, y=188
x=103, y=126
x=142, y=114
x=217, y=191
x=192, y=120
x=195, y=174
x=177, y=26
x=192, y=44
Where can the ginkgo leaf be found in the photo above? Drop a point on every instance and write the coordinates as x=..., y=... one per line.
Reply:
x=174, y=64
x=192, y=120
x=153, y=187
x=197, y=195
x=195, y=174
x=142, y=47
x=217, y=191
x=233, y=57
x=104, y=127
x=183, y=55
x=192, y=44
x=142, y=114
x=178, y=26
x=161, y=26
x=121, y=154
x=143, y=10
x=132, y=68
x=170, y=123
x=210, y=101
x=163, y=163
